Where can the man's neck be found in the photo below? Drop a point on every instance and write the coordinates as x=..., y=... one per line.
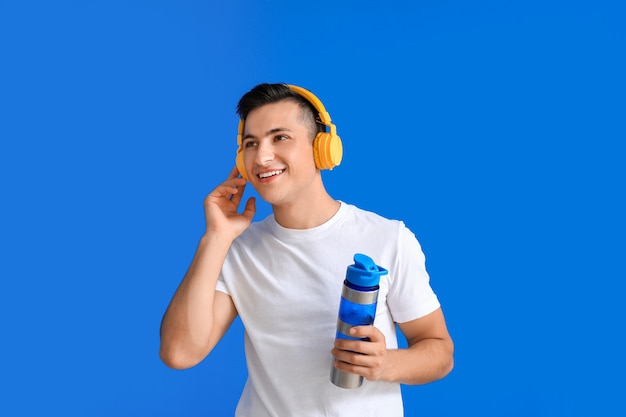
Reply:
x=306, y=214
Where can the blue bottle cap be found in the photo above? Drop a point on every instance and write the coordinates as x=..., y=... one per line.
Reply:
x=364, y=272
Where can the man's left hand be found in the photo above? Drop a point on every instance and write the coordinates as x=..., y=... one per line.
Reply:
x=367, y=358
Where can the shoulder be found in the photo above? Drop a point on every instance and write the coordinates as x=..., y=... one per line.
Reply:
x=373, y=224
x=371, y=217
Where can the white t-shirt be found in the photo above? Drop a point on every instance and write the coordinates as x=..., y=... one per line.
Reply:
x=286, y=285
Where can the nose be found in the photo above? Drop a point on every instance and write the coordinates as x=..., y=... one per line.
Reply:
x=264, y=153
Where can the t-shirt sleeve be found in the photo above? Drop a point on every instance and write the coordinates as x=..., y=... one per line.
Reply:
x=410, y=294
x=221, y=285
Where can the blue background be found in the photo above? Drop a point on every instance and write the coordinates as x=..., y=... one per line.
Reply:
x=494, y=129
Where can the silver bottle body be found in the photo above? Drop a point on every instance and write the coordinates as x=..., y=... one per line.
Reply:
x=368, y=300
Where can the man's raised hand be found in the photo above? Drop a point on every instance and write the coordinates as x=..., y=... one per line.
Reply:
x=222, y=204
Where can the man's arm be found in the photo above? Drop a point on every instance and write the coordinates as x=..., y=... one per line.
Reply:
x=198, y=315
x=428, y=357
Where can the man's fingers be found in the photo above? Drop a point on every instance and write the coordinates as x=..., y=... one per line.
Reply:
x=250, y=209
x=235, y=197
x=234, y=173
x=375, y=341
x=370, y=332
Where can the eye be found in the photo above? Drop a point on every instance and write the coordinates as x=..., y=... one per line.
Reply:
x=249, y=144
x=279, y=138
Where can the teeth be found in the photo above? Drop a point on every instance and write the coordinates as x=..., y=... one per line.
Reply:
x=270, y=174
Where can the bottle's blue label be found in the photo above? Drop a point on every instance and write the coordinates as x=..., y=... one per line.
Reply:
x=357, y=314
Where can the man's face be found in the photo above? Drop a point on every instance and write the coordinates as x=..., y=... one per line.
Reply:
x=278, y=152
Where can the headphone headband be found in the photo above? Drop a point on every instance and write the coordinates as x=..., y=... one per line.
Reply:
x=311, y=98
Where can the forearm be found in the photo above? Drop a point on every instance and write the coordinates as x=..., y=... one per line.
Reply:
x=187, y=325
x=425, y=361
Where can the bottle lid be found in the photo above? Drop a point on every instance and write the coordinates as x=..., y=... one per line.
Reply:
x=364, y=272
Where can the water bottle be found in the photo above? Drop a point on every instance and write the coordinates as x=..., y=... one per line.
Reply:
x=357, y=308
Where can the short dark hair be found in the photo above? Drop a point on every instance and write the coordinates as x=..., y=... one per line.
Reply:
x=266, y=93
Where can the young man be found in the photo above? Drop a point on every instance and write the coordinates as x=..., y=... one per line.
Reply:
x=283, y=276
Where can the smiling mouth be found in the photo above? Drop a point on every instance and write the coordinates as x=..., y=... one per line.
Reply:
x=270, y=174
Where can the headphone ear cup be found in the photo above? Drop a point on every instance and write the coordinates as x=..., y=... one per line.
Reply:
x=239, y=159
x=240, y=165
x=327, y=150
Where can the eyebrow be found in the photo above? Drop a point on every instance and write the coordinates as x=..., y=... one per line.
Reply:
x=269, y=132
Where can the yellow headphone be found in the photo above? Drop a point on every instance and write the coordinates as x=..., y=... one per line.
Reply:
x=327, y=148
